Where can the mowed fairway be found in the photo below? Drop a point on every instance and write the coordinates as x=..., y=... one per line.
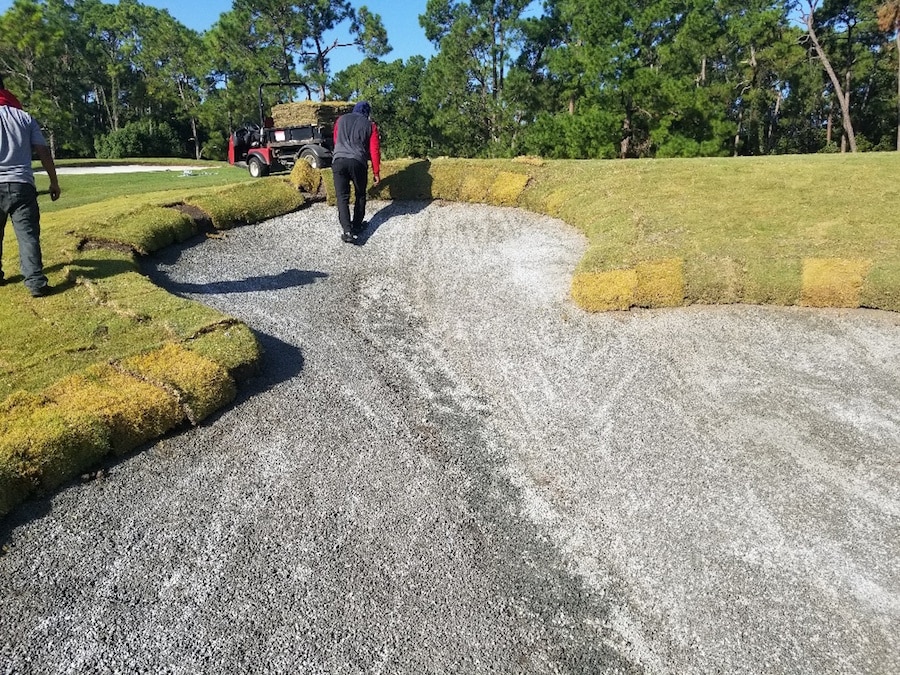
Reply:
x=447, y=466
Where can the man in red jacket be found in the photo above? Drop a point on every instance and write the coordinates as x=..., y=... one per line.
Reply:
x=355, y=144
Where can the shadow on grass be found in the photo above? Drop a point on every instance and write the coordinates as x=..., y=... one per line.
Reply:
x=411, y=183
x=92, y=268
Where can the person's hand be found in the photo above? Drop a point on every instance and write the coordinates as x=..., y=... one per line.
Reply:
x=376, y=180
x=54, y=191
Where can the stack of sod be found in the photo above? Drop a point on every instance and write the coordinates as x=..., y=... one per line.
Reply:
x=302, y=113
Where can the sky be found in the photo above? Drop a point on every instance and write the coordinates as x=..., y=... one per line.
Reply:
x=400, y=18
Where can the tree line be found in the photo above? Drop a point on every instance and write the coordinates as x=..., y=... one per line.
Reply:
x=560, y=79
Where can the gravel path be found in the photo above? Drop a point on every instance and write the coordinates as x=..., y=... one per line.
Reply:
x=446, y=467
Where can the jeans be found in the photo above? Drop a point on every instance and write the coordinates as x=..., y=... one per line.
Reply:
x=19, y=202
x=345, y=172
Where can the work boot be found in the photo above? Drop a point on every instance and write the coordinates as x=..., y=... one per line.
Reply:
x=41, y=291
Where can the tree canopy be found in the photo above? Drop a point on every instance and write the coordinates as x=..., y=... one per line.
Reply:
x=561, y=78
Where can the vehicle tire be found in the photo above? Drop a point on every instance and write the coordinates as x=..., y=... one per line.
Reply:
x=257, y=167
x=311, y=158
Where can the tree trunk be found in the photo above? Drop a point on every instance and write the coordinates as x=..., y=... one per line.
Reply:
x=196, y=137
x=847, y=96
x=770, y=132
x=843, y=100
x=737, y=134
x=897, y=40
x=625, y=144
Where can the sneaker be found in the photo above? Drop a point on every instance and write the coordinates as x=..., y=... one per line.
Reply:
x=41, y=291
x=349, y=238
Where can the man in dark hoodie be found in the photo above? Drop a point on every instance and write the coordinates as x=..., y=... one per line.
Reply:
x=20, y=136
x=355, y=144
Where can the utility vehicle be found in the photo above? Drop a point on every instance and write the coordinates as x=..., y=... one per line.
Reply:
x=264, y=148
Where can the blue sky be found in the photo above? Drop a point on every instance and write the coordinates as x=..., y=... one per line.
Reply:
x=401, y=19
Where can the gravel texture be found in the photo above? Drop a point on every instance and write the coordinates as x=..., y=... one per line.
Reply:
x=446, y=467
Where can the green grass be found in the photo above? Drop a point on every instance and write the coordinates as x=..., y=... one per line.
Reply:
x=106, y=309
x=81, y=189
x=113, y=361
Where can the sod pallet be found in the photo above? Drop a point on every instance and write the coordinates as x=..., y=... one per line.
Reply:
x=301, y=113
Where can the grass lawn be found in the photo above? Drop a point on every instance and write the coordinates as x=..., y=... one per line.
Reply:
x=111, y=361
x=81, y=189
x=43, y=341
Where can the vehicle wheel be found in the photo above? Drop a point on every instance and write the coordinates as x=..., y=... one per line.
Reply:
x=311, y=158
x=257, y=167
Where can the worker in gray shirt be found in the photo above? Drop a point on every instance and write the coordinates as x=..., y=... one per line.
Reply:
x=20, y=138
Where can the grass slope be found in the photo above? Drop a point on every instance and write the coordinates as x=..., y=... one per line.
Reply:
x=113, y=361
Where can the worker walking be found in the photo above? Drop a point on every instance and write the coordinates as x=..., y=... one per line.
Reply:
x=355, y=144
x=20, y=136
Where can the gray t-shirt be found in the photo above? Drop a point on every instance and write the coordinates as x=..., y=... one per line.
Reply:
x=354, y=133
x=18, y=132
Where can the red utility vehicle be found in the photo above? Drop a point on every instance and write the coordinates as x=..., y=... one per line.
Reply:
x=263, y=148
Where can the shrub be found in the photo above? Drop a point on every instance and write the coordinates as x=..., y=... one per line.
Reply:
x=140, y=139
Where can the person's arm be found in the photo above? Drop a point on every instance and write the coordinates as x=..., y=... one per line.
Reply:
x=43, y=153
x=375, y=153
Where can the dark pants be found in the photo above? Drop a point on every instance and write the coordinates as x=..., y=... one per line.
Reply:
x=19, y=202
x=349, y=172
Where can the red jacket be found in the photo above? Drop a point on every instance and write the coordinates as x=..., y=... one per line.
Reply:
x=7, y=98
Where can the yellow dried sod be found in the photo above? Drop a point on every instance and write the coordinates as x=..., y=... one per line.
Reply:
x=43, y=444
x=134, y=411
x=660, y=283
x=604, y=291
x=200, y=385
x=653, y=283
x=305, y=178
x=833, y=282
x=508, y=187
